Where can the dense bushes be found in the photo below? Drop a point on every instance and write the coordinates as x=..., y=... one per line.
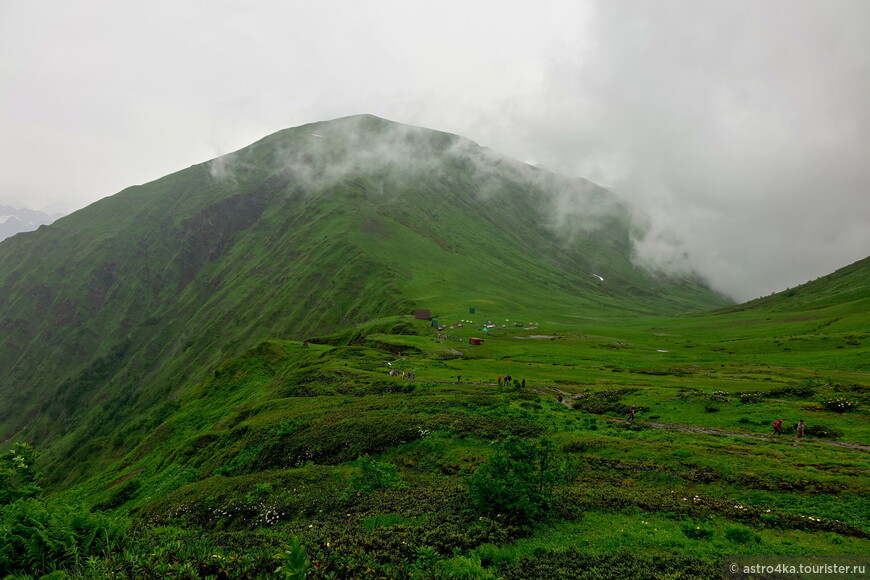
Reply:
x=574, y=564
x=609, y=401
x=39, y=536
x=345, y=436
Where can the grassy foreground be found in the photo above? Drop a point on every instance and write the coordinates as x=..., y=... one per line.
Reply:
x=312, y=460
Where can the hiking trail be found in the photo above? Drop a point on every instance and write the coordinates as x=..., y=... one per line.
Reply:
x=568, y=401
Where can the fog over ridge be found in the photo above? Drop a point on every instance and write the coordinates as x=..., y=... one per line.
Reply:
x=738, y=127
x=319, y=156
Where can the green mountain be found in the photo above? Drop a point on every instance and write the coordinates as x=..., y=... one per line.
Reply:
x=849, y=285
x=113, y=311
x=222, y=378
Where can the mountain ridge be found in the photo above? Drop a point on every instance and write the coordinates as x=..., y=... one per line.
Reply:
x=16, y=220
x=120, y=306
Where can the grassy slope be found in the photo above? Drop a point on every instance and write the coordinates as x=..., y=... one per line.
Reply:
x=111, y=313
x=286, y=417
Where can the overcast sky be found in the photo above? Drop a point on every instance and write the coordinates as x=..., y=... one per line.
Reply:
x=741, y=127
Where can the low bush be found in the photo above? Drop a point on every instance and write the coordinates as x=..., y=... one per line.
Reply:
x=840, y=405
x=823, y=431
x=696, y=532
x=370, y=475
x=750, y=397
x=741, y=535
x=802, y=391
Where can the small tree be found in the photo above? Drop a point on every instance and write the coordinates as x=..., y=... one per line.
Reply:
x=18, y=474
x=518, y=482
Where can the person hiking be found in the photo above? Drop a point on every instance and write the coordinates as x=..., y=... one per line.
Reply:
x=631, y=411
x=499, y=380
x=559, y=397
x=777, y=427
x=800, y=430
x=523, y=384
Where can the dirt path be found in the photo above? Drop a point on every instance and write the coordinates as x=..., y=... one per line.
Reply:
x=569, y=402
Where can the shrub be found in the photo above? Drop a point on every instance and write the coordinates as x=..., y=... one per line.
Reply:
x=803, y=391
x=599, y=407
x=823, y=431
x=518, y=482
x=39, y=536
x=741, y=535
x=750, y=397
x=710, y=407
x=371, y=475
x=696, y=532
x=839, y=405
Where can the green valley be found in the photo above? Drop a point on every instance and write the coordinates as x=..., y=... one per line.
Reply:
x=220, y=375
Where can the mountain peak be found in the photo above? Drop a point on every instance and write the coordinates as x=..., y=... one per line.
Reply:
x=306, y=232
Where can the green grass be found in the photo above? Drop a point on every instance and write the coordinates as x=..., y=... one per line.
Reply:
x=258, y=450
x=227, y=418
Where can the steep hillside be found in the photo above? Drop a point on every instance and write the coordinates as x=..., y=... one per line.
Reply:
x=847, y=285
x=112, y=312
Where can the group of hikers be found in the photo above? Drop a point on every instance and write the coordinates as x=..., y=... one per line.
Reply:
x=799, y=428
x=507, y=381
x=400, y=372
x=777, y=425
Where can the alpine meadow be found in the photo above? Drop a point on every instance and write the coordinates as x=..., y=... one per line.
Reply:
x=362, y=349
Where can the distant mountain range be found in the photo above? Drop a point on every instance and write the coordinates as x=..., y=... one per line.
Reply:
x=14, y=220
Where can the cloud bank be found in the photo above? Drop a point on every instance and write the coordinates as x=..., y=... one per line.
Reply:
x=740, y=128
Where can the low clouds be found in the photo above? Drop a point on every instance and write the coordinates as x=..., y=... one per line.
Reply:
x=740, y=128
